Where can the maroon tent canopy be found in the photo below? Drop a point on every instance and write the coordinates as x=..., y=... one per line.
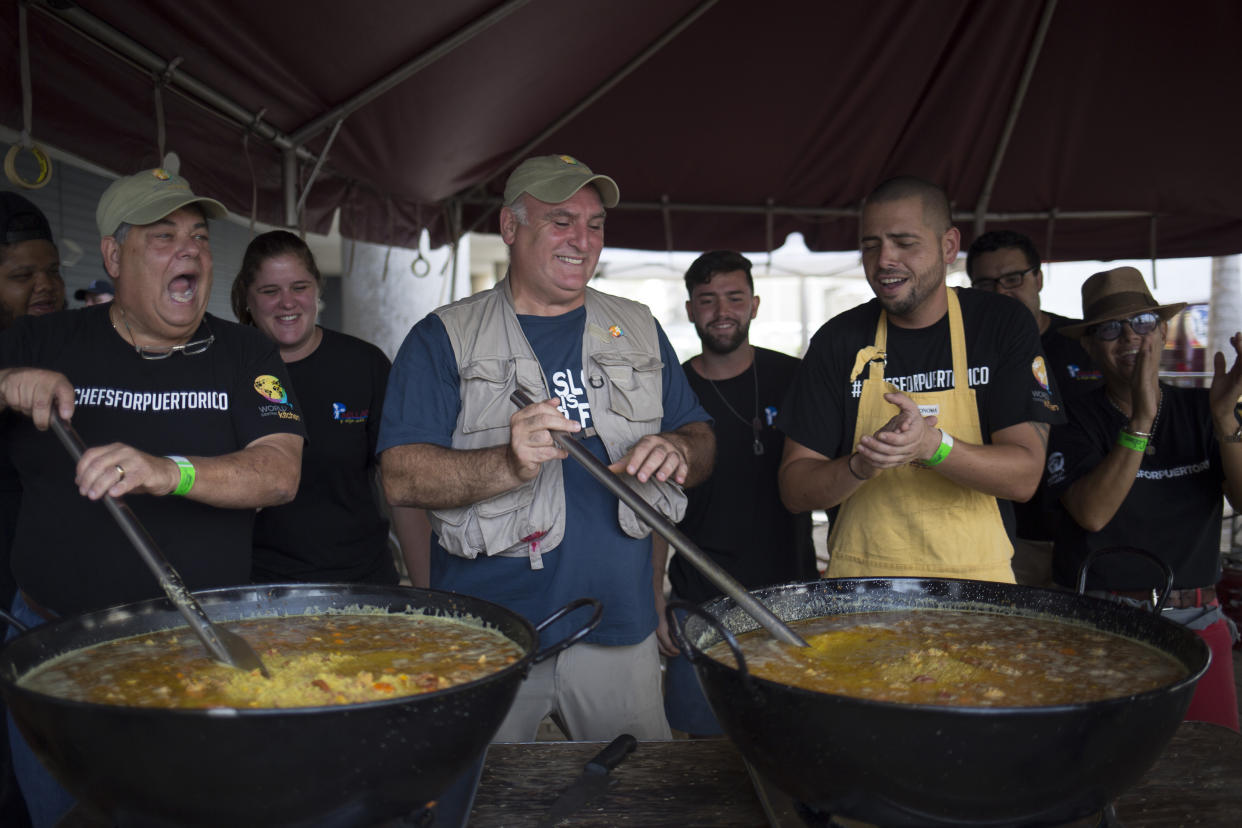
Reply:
x=1101, y=128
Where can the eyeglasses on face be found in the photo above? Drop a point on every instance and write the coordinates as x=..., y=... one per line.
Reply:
x=1141, y=324
x=1009, y=281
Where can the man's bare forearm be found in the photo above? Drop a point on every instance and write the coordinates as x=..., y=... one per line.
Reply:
x=435, y=477
x=697, y=442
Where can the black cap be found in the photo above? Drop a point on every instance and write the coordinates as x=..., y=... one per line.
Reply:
x=21, y=221
x=94, y=288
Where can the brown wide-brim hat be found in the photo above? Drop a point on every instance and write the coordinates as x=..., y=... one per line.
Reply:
x=1117, y=294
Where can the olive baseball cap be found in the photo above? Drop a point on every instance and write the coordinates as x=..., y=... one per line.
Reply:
x=555, y=178
x=147, y=197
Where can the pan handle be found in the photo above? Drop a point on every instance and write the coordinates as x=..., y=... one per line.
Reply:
x=573, y=638
x=12, y=621
x=693, y=653
x=722, y=580
x=1158, y=597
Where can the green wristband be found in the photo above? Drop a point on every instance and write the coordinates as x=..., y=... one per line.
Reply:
x=946, y=446
x=1128, y=440
x=187, y=475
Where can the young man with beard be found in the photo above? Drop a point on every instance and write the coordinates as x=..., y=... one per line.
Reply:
x=736, y=516
x=914, y=412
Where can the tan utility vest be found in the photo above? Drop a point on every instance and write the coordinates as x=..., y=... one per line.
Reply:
x=623, y=383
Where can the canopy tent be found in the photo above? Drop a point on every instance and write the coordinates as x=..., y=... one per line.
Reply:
x=1102, y=128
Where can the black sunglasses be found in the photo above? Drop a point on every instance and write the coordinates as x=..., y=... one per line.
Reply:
x=1141, y=324
x=1009, y=281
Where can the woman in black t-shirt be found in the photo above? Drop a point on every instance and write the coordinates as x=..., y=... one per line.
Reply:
x=335, y=529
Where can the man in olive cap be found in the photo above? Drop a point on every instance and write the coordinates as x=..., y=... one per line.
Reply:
x=180, y=413
x=513, y=523
x=1143, y=465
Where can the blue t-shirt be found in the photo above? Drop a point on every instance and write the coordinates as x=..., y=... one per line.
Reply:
x=595, y=559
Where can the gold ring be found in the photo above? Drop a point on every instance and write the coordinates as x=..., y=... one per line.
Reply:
x=121, y=471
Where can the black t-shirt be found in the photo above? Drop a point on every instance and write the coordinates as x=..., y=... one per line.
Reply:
x=1173, y=509
x=1003, y=358
x=334, y=529
x=68, y=553
x=1075, y=375
x=1068, y=361
x=736, y=516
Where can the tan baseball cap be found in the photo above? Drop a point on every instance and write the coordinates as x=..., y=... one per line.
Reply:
x=146, y=197
x=555, y=178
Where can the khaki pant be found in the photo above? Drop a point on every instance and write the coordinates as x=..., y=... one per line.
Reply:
x=597, y=692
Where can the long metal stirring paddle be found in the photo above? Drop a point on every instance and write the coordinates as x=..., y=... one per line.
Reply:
x=224, y=646
x=723, y=580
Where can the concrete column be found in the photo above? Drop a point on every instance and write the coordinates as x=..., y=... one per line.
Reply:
x=1225, y=310
x=383, y=293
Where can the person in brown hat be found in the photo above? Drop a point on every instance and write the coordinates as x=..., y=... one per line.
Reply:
x=513, y=523
x=1142, y=465
x=188, y=413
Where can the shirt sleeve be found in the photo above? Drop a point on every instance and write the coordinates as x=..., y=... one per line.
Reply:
x=267, y=402
x=423, y=397
x=1075, y=448
x=812, y=415
x=681, y=404
x=380, y=368
x=1021, y=388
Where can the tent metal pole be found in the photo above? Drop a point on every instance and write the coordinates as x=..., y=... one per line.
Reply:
x=1011, y=120
x=289, y=185
x=408, y=70
x=95, y=29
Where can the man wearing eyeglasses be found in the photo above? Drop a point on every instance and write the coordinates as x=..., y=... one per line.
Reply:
x=914, y=412
x=1142, y=465
x=1008, y=263
x=188, y=416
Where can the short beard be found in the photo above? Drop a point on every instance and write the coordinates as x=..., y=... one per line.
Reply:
x=727, y=346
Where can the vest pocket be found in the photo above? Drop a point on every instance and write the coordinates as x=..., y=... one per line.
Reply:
x=485, y=388
x=490, y=526
x=634, y=384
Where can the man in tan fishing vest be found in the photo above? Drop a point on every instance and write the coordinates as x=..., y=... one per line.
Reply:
x=914, y=412
x=513, y=523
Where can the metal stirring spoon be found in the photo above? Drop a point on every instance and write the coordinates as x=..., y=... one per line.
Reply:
x=224, y=646
x=723, y=581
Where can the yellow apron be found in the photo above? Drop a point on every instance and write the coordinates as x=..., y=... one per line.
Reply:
x=912, y=520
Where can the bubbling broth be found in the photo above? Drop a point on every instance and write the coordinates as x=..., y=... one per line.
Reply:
x=956, y=658
x=314, y=660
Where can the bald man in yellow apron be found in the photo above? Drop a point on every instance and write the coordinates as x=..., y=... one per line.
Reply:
x=914, y=412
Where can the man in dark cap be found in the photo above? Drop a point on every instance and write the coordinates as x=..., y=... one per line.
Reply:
x=30, y=281
x=513, y=523
x=98, y=292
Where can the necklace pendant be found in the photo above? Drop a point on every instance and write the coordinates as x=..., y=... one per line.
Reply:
x=758, y=446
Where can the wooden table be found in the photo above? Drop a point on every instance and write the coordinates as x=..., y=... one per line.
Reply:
x=679, y=784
